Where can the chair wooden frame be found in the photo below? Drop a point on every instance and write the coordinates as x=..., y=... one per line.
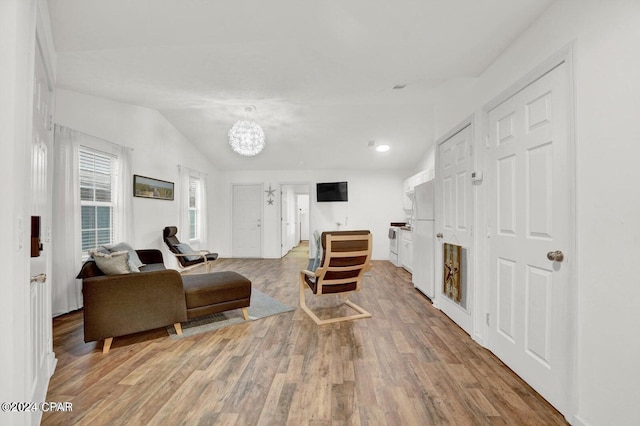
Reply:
x=208, y=264
x=320, y=274
x=169, y=237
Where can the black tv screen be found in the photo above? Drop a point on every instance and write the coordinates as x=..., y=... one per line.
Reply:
x=332, y=191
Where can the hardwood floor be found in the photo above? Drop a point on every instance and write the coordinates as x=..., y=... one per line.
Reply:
x=408, y=365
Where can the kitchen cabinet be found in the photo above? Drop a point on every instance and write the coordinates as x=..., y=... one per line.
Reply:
x=405, y=249
x=411, y=182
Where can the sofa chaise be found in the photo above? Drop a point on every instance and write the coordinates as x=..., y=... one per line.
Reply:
x=117, y=305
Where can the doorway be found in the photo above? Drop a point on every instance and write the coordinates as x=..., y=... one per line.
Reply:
x=295, y=217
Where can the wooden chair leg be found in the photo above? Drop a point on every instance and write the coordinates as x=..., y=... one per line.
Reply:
x=245, y=314
x=107, y=345
x=303, y=305
x=178, y=328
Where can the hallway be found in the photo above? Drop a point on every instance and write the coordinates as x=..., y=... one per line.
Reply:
x=301, y=250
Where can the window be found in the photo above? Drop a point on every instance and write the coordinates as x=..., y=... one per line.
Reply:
x=97, y=198
x=194, y=208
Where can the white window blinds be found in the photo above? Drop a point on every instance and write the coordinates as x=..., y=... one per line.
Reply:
x=98, y=172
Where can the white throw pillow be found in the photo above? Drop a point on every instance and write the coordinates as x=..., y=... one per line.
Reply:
x=314, y=263
x=116, y=263
x=134, y=261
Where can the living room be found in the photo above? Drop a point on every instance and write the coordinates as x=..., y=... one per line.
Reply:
x=158, y=150
x=604, y=39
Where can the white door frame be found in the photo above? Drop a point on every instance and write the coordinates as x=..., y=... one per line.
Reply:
x=563, y=56
x=285, y=217
x=299, y=216
x=283, y=184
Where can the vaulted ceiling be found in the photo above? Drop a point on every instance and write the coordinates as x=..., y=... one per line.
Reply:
x=320, y=74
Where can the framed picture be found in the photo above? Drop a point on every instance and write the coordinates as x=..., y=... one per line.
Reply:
x=452, y=268
x=152, y=188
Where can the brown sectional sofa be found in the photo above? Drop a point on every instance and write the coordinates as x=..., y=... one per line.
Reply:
x=116, y=305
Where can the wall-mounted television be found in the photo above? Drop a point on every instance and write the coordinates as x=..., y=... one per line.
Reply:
x=332, y=191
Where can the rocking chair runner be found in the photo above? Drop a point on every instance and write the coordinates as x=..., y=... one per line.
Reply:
x=346, y=257
x=187, y=258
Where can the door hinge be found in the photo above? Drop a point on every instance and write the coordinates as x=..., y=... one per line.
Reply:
x=470, y=150
x=50, y=124
x=488, y=315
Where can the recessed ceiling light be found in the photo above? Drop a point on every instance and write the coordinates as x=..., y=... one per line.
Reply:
x=383, y=148
x=399, y=86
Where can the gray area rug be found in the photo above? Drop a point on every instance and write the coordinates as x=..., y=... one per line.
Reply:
x=262, y=306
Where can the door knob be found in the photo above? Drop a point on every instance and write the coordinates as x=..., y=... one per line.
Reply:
x=439, y=235
x=40, y=278
x=555, y=256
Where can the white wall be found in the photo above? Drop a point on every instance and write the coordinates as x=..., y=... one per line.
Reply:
x=375, y=199
x=158, y=149
x=606, y=37
x=303, y=216
x=429, y=160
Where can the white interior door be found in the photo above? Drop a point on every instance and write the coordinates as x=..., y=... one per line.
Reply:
x=528, y=202
x=247, y=221
x=41, y=358
x=454, y=218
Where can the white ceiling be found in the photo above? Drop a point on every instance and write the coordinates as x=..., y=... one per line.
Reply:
x=320, y=74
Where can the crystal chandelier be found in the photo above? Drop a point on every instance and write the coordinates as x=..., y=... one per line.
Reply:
x=246, y=137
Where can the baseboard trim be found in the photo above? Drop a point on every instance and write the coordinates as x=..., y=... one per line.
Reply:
x=578, y=421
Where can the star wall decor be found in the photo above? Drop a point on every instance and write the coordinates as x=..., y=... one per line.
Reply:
x=270, y=193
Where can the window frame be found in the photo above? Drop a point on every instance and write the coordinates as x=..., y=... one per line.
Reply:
x=196, y=209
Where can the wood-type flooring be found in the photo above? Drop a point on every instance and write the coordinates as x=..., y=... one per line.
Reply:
x=408, y=365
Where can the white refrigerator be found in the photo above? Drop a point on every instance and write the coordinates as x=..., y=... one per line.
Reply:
x=424, y=239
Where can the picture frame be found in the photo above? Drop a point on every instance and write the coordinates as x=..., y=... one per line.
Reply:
x=146, y=187
x=452, y=272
